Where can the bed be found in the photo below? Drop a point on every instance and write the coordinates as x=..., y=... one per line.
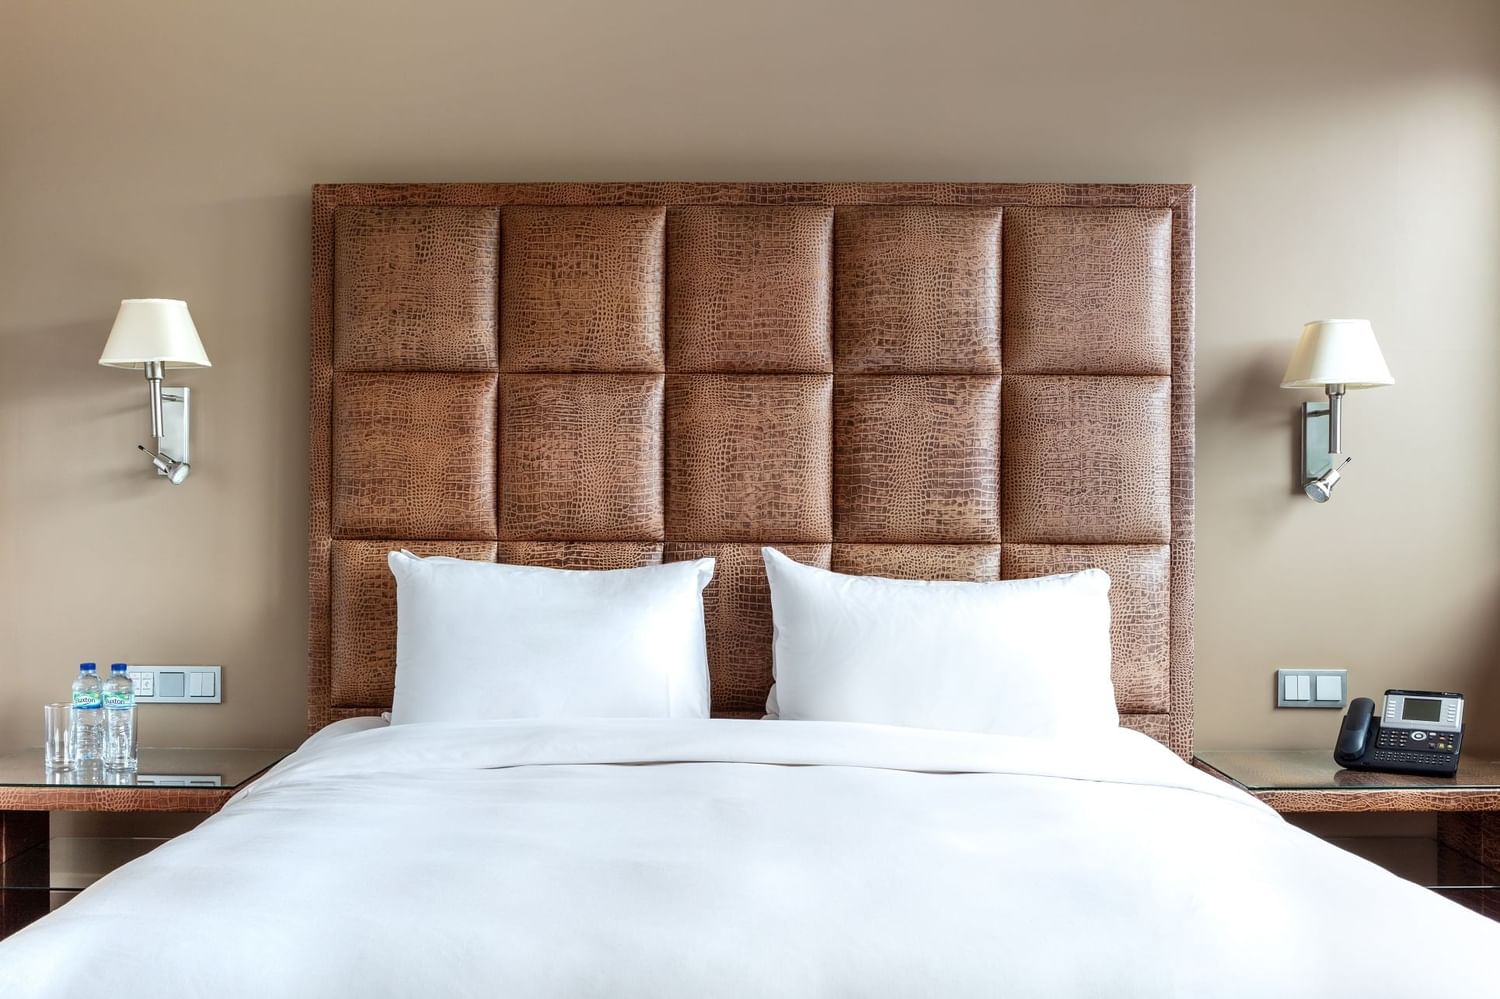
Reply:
x=912, y=381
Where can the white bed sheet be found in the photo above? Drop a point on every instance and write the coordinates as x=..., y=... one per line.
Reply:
x=749, y=858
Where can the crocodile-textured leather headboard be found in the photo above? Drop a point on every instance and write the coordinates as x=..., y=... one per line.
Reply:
x=964, y=381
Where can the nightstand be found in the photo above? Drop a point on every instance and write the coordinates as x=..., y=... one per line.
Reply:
x=38, y=874
x=1462, y=861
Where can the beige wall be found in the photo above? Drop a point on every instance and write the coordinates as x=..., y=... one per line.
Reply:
x=1347, y=157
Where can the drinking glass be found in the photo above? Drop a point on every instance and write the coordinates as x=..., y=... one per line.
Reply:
x=58, y=749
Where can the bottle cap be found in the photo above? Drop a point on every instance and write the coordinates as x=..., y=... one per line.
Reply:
x=88, y=667
x=118, y=667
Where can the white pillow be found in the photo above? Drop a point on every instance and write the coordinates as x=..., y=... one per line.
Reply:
x=480, y=640
x=1024, y=657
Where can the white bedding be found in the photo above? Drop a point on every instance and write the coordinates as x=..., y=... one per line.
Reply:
x=515, y=859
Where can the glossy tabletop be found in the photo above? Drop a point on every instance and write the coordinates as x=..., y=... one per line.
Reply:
x=1314, y=770
x=159, y=768
x=1309, y=781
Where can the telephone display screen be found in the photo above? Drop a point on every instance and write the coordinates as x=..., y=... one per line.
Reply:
x=1423, y=709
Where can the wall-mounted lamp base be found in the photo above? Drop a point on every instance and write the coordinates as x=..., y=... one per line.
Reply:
x=174, y=425
x=1316, y=458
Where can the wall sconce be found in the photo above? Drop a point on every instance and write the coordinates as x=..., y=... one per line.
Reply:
x=1335, y=355
x=154, y=334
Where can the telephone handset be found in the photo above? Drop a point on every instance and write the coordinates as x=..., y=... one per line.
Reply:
x=1418, y=732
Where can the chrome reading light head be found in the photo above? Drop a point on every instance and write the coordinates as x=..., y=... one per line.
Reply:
x=175, y=471
x=1319, y=489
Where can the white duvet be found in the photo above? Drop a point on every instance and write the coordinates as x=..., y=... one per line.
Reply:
x=745, y=858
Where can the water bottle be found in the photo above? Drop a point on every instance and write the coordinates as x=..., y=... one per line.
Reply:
x=88, y=721
x=119, y=720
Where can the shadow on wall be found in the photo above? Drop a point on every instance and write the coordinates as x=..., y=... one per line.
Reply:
x=1249, y=393
x=53, y=387
x=1248, y=397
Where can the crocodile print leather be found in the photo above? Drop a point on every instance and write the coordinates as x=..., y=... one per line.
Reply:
x=1087, y=459
x=581, y=554
x=582, y=289
x=416, y=289
x=916, y=459
x=114, y=799
x=416, y=455
x=1140, y=612
x=749, y=457
x=689, y=369
x=1088, y=291
x=364, y=614
x=750, y=289
x=737, y=606
x=917, y=289
x=581, y=457
x=976, y=563
x=1162, y=728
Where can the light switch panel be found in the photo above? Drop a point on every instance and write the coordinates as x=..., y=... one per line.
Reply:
x=176, y=684
x=1311, y=688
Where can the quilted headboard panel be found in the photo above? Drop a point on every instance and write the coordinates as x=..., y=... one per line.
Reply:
x=968, y=381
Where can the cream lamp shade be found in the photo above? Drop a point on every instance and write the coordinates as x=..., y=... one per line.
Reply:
x=154, y=330
x=1337, y=352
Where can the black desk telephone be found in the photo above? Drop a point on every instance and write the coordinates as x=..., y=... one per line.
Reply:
x=1419, y=732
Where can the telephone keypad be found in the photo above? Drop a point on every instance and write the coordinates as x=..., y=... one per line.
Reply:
x=1389, y=757
x=1426, y=742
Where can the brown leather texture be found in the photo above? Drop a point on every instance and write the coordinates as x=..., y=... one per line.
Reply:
x=917, y=289
x=917, y=458
x=581, y=457
x=956, y=381
x=111, y=799
x=583, y=289
x=416, y=455
x=973, y=563
x=581, y=554
x=417, y=290
x=748, y=289
x=1088, y=291
x=1087, y=459
x=749, y=457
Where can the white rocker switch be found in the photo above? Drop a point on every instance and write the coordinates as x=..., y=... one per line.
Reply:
x=171, y=684
x=1311, y=688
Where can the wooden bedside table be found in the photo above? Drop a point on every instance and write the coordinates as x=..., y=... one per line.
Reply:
x=38, y=874
x=1461, y=862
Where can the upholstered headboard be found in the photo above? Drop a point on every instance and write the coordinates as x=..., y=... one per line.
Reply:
x=967, y=381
